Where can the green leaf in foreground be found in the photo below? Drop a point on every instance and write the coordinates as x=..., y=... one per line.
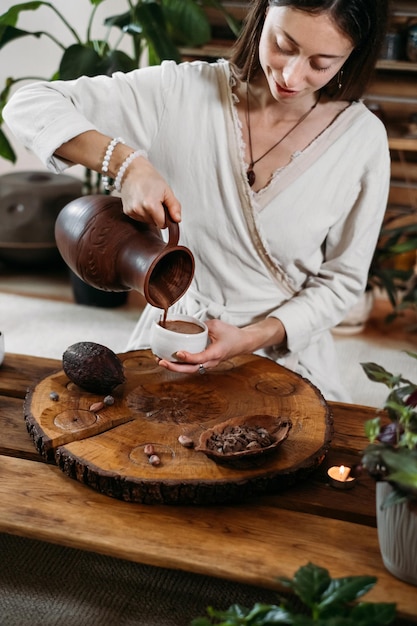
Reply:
x=326, y=601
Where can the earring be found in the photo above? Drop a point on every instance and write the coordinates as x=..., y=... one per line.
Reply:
x=339, y=79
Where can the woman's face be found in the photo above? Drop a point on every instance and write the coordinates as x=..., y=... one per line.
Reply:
x=300, y=52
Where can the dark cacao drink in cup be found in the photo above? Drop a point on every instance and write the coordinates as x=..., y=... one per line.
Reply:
x=181, y=326
x=179, y=333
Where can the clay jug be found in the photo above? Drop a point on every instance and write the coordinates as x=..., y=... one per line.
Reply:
x=113, y=252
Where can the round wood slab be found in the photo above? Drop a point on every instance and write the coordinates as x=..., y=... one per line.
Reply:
x=105, y=449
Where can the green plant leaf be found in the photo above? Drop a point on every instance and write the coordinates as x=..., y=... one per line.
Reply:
x=309, y=583
x=391, y=280
x=12, y=15
x=394, y=497
x=401, y=465
x=187, y=22
x=4, y=95
x=148, y=22
x=153, y=27
x=373, y=428
x=377, y=614
x=409, y=245
x=404, y=478
x=117, y=61
x=6, y=150
x=346, y=590
x=79, y=60
x=379, y=374
x=396, y=406
x=10, y=33
x=122, y=21
x=267, y=614
x=153, y=56
x=328, y=602
x=385, y=275
x=237, y=615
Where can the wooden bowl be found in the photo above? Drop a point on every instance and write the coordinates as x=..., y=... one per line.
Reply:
x=268, y=432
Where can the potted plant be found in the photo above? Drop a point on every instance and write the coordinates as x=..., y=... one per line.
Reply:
x=156, y=27
x=393, y=267
x=314, y=598
x=392, y=273
x=391, y=458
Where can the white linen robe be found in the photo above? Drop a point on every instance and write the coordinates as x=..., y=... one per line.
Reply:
x=298, y=250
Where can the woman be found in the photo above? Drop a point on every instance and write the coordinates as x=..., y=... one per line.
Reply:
x=278, y=173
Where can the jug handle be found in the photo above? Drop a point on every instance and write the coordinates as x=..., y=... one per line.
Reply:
x=173, y=229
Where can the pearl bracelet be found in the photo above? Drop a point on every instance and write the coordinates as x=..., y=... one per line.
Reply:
x=106, y=162
x=122, y=170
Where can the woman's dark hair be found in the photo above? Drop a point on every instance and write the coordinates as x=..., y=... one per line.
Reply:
x=363, y=21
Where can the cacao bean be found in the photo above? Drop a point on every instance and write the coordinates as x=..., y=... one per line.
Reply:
x=96, y=406
x=186, y=441
x=149, y=449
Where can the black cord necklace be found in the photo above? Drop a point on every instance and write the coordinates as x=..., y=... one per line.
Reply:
x=250, y=173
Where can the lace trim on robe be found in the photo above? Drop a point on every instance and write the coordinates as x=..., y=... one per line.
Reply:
x=277, y=271
x=234, y=80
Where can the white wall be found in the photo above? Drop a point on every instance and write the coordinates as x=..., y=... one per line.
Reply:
x=33, y=56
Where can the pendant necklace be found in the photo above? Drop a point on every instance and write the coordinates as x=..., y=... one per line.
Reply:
x=250, y=173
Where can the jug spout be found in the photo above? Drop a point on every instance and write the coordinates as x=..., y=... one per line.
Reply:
x=110, y=251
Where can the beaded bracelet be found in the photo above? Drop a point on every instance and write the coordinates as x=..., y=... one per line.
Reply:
x=124, y=166
x=106, y=162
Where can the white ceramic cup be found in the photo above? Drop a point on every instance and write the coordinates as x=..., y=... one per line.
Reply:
x=1, y=347
x=165, y=343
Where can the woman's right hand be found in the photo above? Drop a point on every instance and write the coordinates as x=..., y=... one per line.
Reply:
x=145, y=193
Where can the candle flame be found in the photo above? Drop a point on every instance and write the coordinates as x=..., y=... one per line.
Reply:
x=344, y=473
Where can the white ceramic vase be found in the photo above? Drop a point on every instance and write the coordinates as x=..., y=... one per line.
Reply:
x=397, y=534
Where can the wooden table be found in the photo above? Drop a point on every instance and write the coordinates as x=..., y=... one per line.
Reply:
x=265, y=537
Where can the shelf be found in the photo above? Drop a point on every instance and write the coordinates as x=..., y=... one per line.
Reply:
x=408, y=144
x=401, y=137
x=216, y=49
x=404, y=9
x=396, y=66
x=401, y=170
x=377, y=97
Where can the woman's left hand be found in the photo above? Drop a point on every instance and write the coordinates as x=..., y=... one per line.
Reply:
x=227, y=341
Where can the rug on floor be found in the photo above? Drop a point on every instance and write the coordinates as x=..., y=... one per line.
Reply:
x=47, y=585
x=43, y=327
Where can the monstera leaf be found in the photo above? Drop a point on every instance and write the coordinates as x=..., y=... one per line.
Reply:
x=158, y=27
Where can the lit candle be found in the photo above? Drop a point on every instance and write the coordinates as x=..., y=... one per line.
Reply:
x=339, y=477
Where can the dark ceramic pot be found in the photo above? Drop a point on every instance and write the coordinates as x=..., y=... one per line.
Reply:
x=29, y=205
x=90, y=296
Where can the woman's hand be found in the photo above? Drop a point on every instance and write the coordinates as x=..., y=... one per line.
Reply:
x=145, y=193
x=227, y=341
x=144, y=190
